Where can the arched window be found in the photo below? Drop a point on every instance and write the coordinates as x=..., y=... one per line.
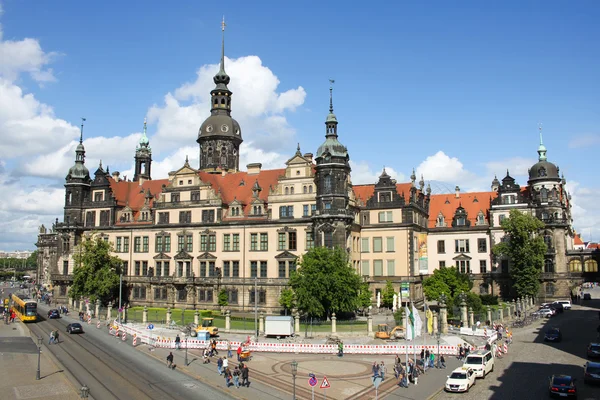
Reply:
x=209, y=155
x=575, y=266
x=216, y=102
x=544, y=195
x=548, y=266
x=223, y=156
x=223, y=101
x=590, y=266
x=287, y=190
x=549, y=289
x=480, y=219
x=304, y=190
x=310, y=189
x=440, y=221
x=292, y=190
x=327, y=182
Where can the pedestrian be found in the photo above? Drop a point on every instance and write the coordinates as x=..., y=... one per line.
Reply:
x=227, y=374
x=382, y=370
x=225, y=363
x=375, y=369
x=442, y=361
x=245, y=374
x=239, y=353
x=236, y=377
x=432, y=360
x=206, y=356
x=51, y=340
x=177, y=342
x=340, y=349
x=214, y=347
x=220, y=366
x=229, y=349
x=170, y=360
x=56, y=337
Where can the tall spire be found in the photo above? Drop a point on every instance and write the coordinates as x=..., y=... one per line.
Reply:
x=221, y=79
x=331, y=82
x=144, y=141
x=331, y=121
x=81, y=131
x=542, y=149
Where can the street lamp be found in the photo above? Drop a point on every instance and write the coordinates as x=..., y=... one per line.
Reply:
x=84, y=392
x=294, y=372
x=186, y=347
x=437, y=336
x=39, y=340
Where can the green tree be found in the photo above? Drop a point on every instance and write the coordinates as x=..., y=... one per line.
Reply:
x=387, y=295
x=32, y=260
x=223, y=298
x=96, y=272
x=325, y=283
x=364, y=296
x=447, y=280
x=287, y=300
x=525, y=249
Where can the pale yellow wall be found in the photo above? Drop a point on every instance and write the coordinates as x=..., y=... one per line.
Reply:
x=449, y=239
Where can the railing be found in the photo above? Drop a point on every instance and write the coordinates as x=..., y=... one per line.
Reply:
x=61, y=277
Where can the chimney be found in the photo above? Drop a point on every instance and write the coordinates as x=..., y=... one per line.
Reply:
x=115, y=176
x=457, y=195
x=254, y=168
x=309, y=156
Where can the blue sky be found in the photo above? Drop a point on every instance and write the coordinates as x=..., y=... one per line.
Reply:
x=455, y=91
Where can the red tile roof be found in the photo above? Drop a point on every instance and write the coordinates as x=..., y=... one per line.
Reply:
x=577, y=240
x=365, y=192
x=133, y=194
x=448, y=203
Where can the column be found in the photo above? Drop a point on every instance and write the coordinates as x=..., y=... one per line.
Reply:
x=168, y=316
x=501, y=313
x=124, y=314
x=463, y=313
x=145, y=315
x=513, y=308
x=444, y=319
x=109, y=311
x=97, y=314
x=197, y=318
x=297, y=323
x=488, y=315
x=435, y=322
x=80, y=304
x=471, y=318
x=227, y=321
x=333, y=323
x=369, y=323
x=261, y=322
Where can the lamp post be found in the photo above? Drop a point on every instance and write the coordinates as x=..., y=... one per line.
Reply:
x=39, y=340
x=294, y=372
x=186, y=347
x=84, y=392
x=437, y=336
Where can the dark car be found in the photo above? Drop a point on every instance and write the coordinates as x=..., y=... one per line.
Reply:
x=591, y=372
x=553, y=335
x=53, y=314
x=562, y=386
x=75, y=328
x=558, y=307
x=587, y=296
x=593, y=350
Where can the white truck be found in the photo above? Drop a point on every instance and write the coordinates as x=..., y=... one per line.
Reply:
x=279, y=326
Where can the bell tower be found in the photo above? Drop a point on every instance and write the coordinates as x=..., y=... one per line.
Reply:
x=143, y=159
x=77, y=185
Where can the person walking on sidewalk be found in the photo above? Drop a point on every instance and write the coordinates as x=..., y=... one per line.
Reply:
x=227, y=374
x=245, y=375
x=51, y=340
x=236, y=377
x=178, y=342
x=170, y=360
x=220, y=366
x=382, y=370
x=225, y=363
x=442, y=361
x=239, y=353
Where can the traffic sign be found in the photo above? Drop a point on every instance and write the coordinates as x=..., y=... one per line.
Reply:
x=377, y=381
x=313, y=381
x=150, y=326
x=325, y=384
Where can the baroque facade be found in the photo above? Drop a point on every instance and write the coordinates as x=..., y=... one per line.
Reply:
x=185, y=237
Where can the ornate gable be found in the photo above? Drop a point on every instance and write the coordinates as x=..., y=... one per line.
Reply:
x=206, y=256
x=183, y=255
x=385, y=194
x=286, y=255
x=162, y=256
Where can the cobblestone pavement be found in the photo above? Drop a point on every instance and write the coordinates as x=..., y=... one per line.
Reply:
x=523, y=373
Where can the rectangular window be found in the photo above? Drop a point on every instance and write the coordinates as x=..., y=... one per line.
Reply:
x=189, y=243
x=188, y=268
x=166, y=268
x=175, y=197
x=212, y=272
x=504, y=266
x=202, y=269
x=281, y=242
x=483, y=266
x=461, y=246
x=464, y=267
x=203, y=243
x=118, y=245
x=251, y=297
x=226, y=268
x=227, y=242
x=158, y=267
x=305, y=211
x=364, y=245
x=90, y=218
x=201, y=295
x=281, y=269
x=253, y=269
x=366, y=268
x=441, y=246
x=125, y=267
x=262, y=296
x=208, y=215
x=292, y=241
x=167, y=247
x=212, y=242
x=264, y=242
x=482, y=245
x=233, y=296
x=158, y=245
x=138, y=267
x=65, y=268
x=391, y=268
x=377, y=245
x=236, y=242
x=144, y=268
x=390, y=244
x=98, y=196
x=385, y=216
x=163, y=217
x=104, y=218
x=236, y=269
x=291, y=267
x=263, y=269
x=180, y=243
x=313, y=209
x=377, y=267
x=137, y=244
x=442, y=264
x=181, y=295
x=180, y=268
x=254, y=241
x=209, y=295
x=125, y=245
x=185, y=217
x=310, y=240
x=146, y=241
x=195, y=196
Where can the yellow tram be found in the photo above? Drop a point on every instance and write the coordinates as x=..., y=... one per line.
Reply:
x=26, y=309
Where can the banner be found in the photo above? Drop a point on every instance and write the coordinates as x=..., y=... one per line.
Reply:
x=418, y=323
x=422, y=249
x=409, y=324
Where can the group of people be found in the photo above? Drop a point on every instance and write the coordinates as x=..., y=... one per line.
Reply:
x=54, y=337
x=463, y=351
x=9, y=316
x=410, y=373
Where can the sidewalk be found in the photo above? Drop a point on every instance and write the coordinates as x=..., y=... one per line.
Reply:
x=18, y=366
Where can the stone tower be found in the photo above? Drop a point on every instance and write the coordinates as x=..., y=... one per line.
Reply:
x=143, y=159
x=333, y=217
x=77, y=185
x=220, y=135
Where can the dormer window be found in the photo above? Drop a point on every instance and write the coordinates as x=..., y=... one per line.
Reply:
x=440, y=222
x=460, y=221
x=195, y=196
x=385, y=197
x=98, y=196
x=480, y=219
x=174, y=197
x=257, y=210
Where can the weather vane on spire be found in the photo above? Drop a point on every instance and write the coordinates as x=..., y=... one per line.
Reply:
x=331, y=82
x=81, y=132
x=223, y=24
x=540, y=129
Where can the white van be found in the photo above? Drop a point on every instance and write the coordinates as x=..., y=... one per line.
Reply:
x=566, y=304
x=481, y=361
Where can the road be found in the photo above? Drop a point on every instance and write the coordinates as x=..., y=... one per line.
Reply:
x=523, y=373
x=115, y=370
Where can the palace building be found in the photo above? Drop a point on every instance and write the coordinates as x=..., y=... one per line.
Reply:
x=185, y=237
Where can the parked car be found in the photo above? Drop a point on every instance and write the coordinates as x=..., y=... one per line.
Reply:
x=565, y=303
x=591, y=372
x=553, y=335
x=53, y=314
x=75, y=328
x=460, y=380
x=562, y=386
x=545, y=312
x=587, y=296
x=593, y=350
x=558, y=307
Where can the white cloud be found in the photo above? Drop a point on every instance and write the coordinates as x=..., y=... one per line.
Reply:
x=441, y=167
x=517, y=166
x=584, y=141
x=363, y=174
